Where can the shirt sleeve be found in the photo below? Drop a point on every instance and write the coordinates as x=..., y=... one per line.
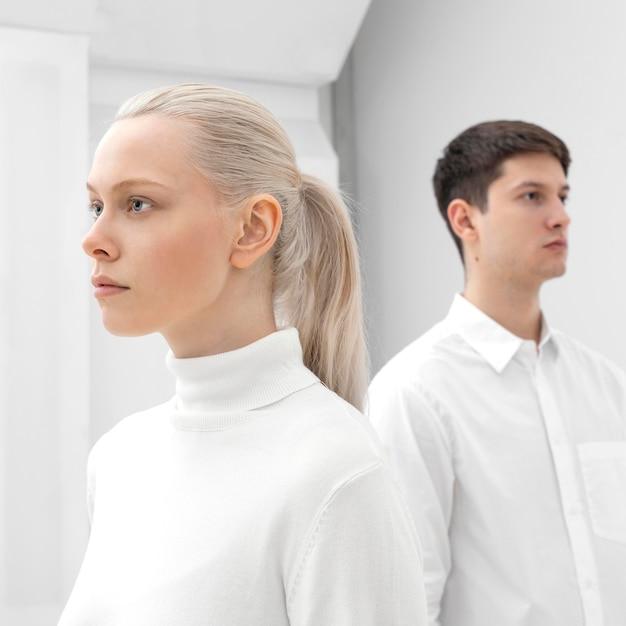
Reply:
x=362, y=564
x=420, y=453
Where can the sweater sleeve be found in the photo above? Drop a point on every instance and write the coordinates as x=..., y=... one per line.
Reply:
x=91, y=479
x=362, y=565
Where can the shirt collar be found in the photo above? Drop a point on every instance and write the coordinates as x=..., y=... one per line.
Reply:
x=492, y=341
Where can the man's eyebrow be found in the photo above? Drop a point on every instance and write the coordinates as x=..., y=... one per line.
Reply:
x=131, y=182
x=537, y=185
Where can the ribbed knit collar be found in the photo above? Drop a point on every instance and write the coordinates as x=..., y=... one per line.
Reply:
x=218, y=391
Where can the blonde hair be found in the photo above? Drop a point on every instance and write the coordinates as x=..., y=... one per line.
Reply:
x=242, y=150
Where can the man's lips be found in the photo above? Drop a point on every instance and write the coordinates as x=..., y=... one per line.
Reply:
x=557, y=244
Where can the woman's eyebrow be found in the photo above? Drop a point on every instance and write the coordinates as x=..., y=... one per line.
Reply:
x=124, y=184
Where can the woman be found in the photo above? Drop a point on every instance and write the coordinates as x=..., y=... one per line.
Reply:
x=256, y=496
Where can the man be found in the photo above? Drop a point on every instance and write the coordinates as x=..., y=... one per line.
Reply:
x=508, y=438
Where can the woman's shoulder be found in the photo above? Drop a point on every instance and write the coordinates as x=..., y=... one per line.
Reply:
x=136, y=426
x=319, y=427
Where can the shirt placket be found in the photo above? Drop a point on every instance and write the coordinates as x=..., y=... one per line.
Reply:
x=572, y=501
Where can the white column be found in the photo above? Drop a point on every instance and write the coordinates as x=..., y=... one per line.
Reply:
x=44, y=336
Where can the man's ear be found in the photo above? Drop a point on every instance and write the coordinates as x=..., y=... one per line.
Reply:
x=462, y=218
x=262, y=218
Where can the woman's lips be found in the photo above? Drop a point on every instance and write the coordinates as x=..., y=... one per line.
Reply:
x=105, y=287
x=105, y=291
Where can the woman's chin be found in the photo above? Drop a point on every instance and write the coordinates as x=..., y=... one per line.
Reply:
x=124, y=328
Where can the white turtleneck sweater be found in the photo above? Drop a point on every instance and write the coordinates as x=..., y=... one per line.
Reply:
x=255, y=497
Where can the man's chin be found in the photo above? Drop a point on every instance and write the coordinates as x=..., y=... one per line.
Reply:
x=556, y=272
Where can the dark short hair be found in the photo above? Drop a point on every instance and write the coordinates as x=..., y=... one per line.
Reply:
x=473, y=160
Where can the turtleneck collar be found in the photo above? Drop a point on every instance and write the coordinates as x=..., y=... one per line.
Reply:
x=218, y=391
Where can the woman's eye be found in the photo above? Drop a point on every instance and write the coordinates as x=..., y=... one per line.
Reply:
x=138, y=206
x=96, y=209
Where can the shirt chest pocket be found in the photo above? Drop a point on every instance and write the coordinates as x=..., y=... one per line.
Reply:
x=603, y=467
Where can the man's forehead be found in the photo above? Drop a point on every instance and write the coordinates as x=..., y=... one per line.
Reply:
x=537, y=168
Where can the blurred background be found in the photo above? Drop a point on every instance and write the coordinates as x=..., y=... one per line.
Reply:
x=370, y=92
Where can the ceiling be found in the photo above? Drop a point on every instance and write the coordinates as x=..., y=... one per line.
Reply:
x=290, y=41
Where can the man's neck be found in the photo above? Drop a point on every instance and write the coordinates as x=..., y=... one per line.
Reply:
x=517, y=311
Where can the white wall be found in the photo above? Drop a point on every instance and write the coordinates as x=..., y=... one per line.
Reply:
x=422, y=72
x=44, y=378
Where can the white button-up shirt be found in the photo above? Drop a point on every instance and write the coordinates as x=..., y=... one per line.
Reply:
x=512, y=458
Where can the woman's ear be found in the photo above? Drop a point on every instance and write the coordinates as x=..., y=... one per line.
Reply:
x=261, y=222
x=461, y=215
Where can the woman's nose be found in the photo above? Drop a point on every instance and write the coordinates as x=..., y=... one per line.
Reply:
x=99, y=243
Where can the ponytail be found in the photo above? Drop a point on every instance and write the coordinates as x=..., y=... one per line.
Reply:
x=317, y=286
